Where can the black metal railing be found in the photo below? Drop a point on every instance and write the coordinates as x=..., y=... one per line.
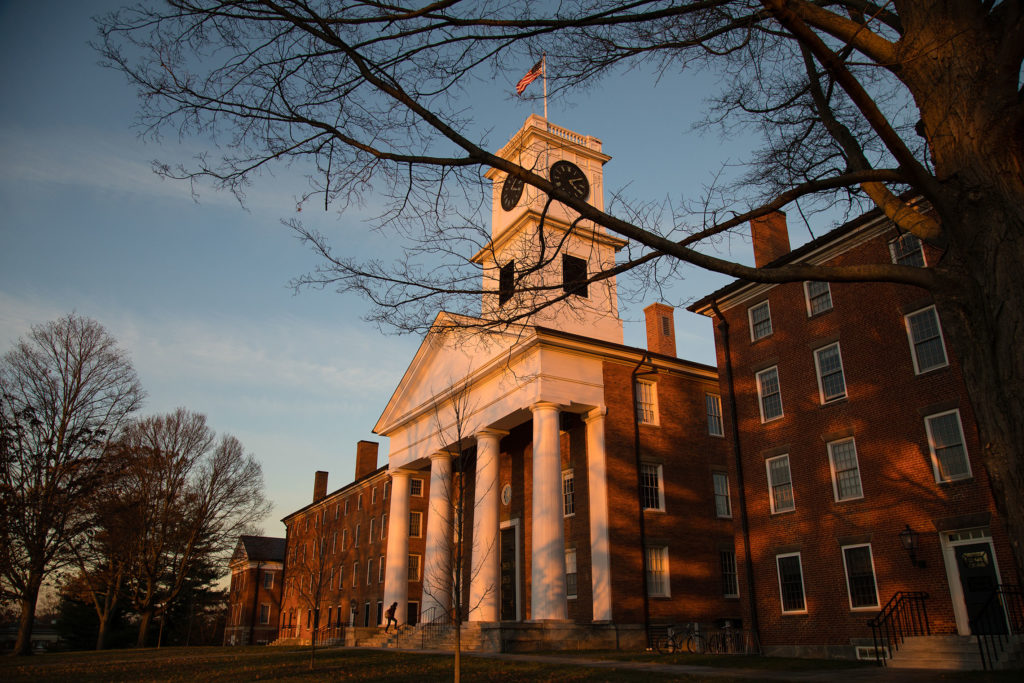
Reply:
x=434, y=625
x=905, y=615
x=999, y=619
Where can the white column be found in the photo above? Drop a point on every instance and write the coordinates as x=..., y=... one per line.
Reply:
x=437, y=556
x=484, y=576
x=547, y=584
x=597, y=485
x=396, y=577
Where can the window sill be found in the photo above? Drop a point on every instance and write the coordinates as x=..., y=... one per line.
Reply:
x=834, y=401
x=784, y=512
x=929, y=371
x=812, y=316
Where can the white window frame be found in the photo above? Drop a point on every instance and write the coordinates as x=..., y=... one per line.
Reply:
x=369, y=535
x=341, y=576
x=874, y=577
x=419, y=524
x=832, y=467
x=750, y=319
x=264, y=619
x=809, y=297
x=344, y=539
x=664, y=590
x=383, y=526
x=355, y=537
x=373, y=495
x=717, y=477
x=651, y=389
x=355, y=573
x=895, y=244
x=918, y=370
x=761, y=395
x=713, y=407
x=821, y=383
x=803, y=587
x=568, y=493
x=369, y=571
x=771, y=485
x=735, y=584
x=570, y=563
x=416, y=487
x=659, y=473
x=931, y=446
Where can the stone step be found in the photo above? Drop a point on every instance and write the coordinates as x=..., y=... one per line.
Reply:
x=943, y=651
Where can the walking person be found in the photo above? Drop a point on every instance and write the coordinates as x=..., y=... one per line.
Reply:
x=390, y=617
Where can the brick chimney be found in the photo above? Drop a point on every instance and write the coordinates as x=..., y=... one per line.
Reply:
x=661, y=329
x=770, y=236
x=319, y=486
x=366, y=458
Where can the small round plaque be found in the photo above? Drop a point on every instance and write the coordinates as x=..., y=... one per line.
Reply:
x=506, y=494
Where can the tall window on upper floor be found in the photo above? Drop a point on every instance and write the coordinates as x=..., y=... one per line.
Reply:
x=769, y=393
x=906, y=250
x=860, y=577
x=831, y=383
x=713, y=402
x=760, y=321
x=946, y=442
x=819, y=297
x=568, y=493
x=926, y=344
x=658, y=572
x=415, y=487
x=268, y=580
x=791, y=582
x=506, y=282
x=414, y=567
x=652, y=487
x=574, y=275
x=842, y=456
x=723, y=505
x=646, y=402
x=415, y=524
x=780, y=483
x=571, y=576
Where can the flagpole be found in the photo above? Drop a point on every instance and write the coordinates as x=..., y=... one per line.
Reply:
x=544, y=72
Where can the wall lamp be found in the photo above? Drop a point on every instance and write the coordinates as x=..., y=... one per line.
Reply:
x=909, y=539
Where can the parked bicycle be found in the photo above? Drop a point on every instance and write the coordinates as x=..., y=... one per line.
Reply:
x=726, y=641
x=675, y=641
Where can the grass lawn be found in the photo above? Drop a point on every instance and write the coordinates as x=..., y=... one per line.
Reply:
x=200, y=665
x=722, y=661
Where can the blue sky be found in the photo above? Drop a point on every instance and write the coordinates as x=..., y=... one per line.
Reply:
x=197, y=292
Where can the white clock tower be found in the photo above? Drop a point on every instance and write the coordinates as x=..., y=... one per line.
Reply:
x=536, y=256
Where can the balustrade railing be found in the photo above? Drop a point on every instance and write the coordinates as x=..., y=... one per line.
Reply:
x=905, y=615
x=997, y=621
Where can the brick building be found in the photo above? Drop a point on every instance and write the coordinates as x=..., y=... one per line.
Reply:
x=336, y=549
x=254, y=596
x=856, y=443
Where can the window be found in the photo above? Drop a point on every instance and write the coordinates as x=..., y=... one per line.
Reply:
x=268, y=580
x=344, y=539
x=383, y=526
x=568, y=494
x=337, y=509
x=369, y=534
x=819, y=297
x=334, y=542
x=657, y=572
x=380, y=570
x=646, y=402
x=309, y=617
x=415, y=522
x=842, y=457
x=760, y=321
x=355, y=537
x=359, y=502
x=723, y=506
x=860, y=576
x=414, y=567
x=730, y=581
x=570, y=572
x=926, y=344
x=506, y=282
x=574, y=275
x=341, y=575
x=946, y=441
x=780, y=484
x=651, y=488
x=330, y=616
x=369, y=571
x=791, y=582
x=831, y=383
x=416, y=487
x=714, y=409
x=770, y=393
x=264, y=613
x=373, y=495
x=906, y=250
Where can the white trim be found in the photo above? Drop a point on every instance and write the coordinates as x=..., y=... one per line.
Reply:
x=661, y=485
x=807, y=297
x=931, y=446
x=716, y=494
x=846, y=571
x=714, y=402
x=419, y=527
x=832, y=469
x=956, y=590
x=514, y=524
x=750, y=320
x=817, y=372
x=803, y=588
x=653, y=402
x=568, y=474
x=662, y=550
x=411, y=487
x=760, y=394
x=771, y=485
x=576, y=567
x=913, y=344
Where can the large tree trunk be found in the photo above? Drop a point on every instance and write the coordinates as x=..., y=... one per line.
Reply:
x=101, y=635
x=23, y=646
x=144, y=622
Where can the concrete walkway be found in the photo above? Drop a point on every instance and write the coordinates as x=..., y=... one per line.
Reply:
x=867, y=673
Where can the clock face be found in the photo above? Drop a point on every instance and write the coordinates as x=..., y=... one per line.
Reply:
x=511, y=191
x=568, y=178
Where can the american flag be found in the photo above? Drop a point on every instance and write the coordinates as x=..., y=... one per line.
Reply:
x=531, y=75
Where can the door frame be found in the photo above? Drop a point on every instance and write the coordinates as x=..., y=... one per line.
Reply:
x=956, y=591
x=514, y=525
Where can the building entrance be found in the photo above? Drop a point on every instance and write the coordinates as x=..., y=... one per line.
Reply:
x=978, y=579
x=508, y=575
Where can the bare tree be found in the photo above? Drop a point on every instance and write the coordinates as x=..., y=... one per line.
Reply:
x=64, y=390
x=195, y=495
x=858, y=102
x=312, y=574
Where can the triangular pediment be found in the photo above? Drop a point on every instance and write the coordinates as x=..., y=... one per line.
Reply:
x=451, y=352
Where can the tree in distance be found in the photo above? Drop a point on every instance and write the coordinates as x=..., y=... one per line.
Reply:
x=914, y=107
x=65, y=390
